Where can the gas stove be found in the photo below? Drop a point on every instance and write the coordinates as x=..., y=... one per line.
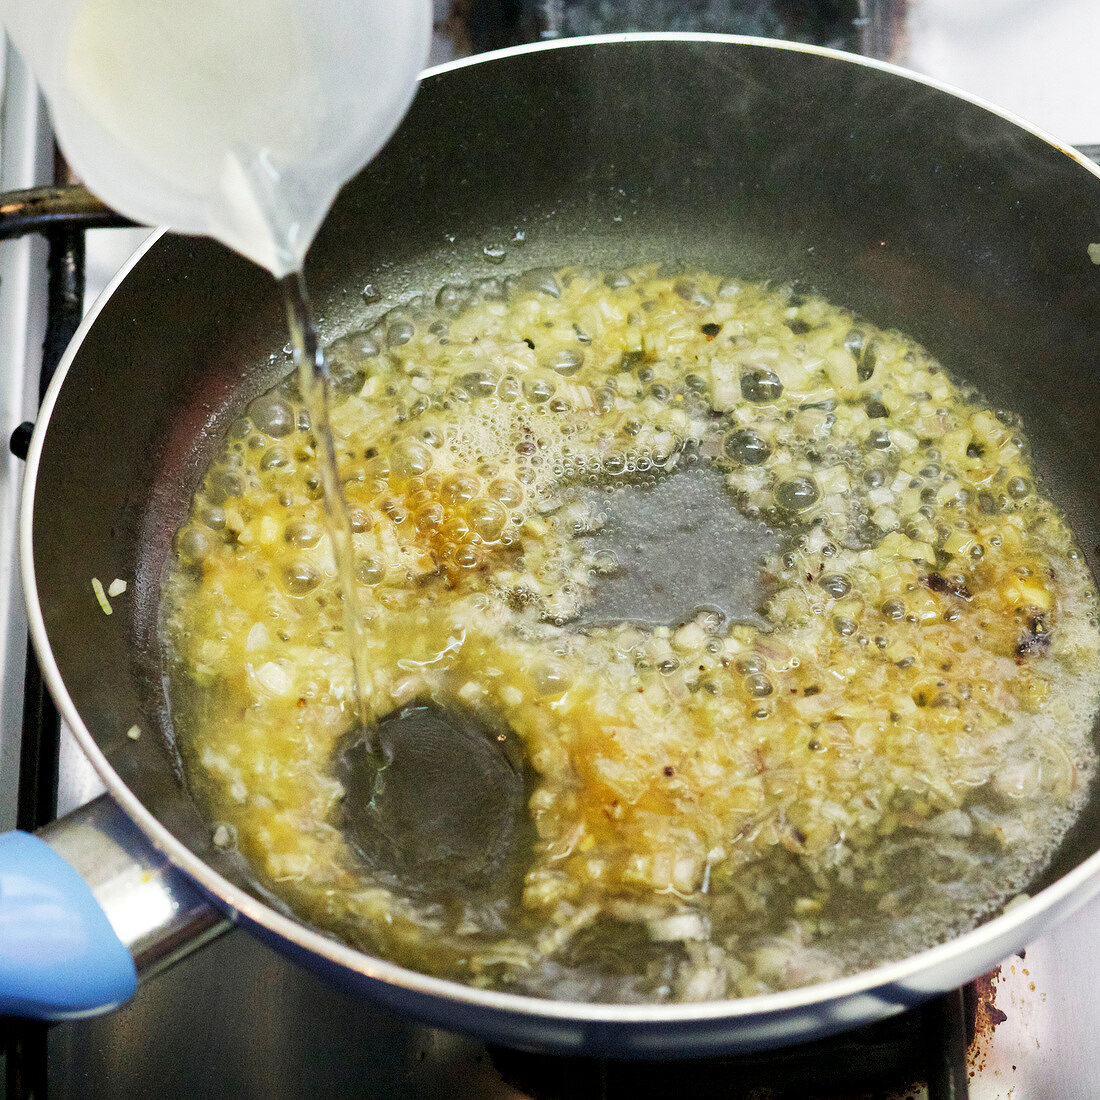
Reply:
x=237, y=1019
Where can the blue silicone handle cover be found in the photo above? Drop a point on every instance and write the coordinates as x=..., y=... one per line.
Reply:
x=59, y=955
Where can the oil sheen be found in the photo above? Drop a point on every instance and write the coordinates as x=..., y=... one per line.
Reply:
x=869, y=740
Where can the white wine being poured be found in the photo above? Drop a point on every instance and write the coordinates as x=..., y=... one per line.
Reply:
x=315, y=383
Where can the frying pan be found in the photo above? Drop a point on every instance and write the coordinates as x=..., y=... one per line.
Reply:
x=908, y=203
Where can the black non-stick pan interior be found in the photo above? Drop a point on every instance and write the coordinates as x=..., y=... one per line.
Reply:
x=915, y=208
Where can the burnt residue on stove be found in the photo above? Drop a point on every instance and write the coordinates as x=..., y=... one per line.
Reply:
x=982, y=1008
x=986, y=1013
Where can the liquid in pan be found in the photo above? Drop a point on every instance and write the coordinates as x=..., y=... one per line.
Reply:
x=796, y=665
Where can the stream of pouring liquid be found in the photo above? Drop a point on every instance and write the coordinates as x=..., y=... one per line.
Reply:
x=314, y=381
x=476, y=837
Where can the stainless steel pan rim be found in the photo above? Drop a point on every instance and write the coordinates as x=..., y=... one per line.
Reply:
x=963, y=957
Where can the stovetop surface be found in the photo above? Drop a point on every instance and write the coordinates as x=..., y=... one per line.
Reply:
x=238, y=1020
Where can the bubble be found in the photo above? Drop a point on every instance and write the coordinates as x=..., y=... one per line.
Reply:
x=347, y=355
x=539, y=280
x=508, y=492
x=212, y=516
x=1018, y=488
x=746, y=447
x=879, y=438
x=399, y=332
x=359, y=519
x=370, y=571
x=686, y=289
x=411, y=459
x=759, y=686
x=509, y=388
x=379, y=469
x=539, y=389
x=223, y=484
x=495, y=253
x=797, y=493
x=836, y=585
x=565, y=361
x=551, y=678
x=843, y=626
x=605, y=563
x=761, y=386
x=454, y=299
x=193, y=543
x=487, y=519
x=457, y=528
x=466, y=557
x=460, y=489
x=479, y=383
x=302, y=533
x=370, y=295
x=300, y=578
x=241, y=428
x=273, y=415
x=604, y=400
x=394, y=510
x=894, y=610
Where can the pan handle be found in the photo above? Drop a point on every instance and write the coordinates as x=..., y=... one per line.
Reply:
x=45, y=209
x=87, y=907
